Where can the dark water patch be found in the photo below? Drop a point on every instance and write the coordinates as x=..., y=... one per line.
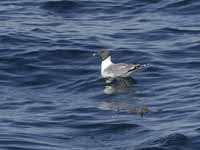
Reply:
x=62, y=6
x=44, y=24
x=172, y=141
x=69, y=8
x=80, y=8
x=38, y=30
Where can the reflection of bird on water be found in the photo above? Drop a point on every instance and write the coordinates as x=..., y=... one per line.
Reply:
x=118, y=85
x=124, y=107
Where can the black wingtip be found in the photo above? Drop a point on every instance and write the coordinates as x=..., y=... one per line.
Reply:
x=135, y=68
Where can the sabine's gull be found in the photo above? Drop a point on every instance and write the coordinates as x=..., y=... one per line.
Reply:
x=115, y=70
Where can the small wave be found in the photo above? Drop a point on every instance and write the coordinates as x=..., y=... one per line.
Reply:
x=24, y=141
x=108, y=127
x=179, y=4
x=172, y=31
x=20, y=39
x=183, y=31
x=72, y=117
x=184, y=7
x=152, y=148
x=166, y=33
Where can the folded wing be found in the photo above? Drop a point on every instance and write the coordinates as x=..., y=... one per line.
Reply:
x=121, y=69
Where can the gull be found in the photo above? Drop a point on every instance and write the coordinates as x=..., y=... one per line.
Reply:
x=115, y=70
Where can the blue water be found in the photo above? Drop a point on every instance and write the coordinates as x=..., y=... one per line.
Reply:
x=52, y=96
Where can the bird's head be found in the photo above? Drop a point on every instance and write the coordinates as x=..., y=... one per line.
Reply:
x=103, y=54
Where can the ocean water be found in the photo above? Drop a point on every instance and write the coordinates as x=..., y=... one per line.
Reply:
x=52, y=96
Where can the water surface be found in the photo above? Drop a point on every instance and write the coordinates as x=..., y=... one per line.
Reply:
x=52, y=95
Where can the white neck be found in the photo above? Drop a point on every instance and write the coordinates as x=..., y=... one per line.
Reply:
x=105, y=63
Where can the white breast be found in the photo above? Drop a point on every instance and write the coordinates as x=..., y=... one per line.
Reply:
x=105, y=64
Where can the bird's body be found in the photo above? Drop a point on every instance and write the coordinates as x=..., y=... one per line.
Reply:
x=112, y=70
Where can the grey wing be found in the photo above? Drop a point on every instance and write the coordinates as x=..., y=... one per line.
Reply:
x=121, y=69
